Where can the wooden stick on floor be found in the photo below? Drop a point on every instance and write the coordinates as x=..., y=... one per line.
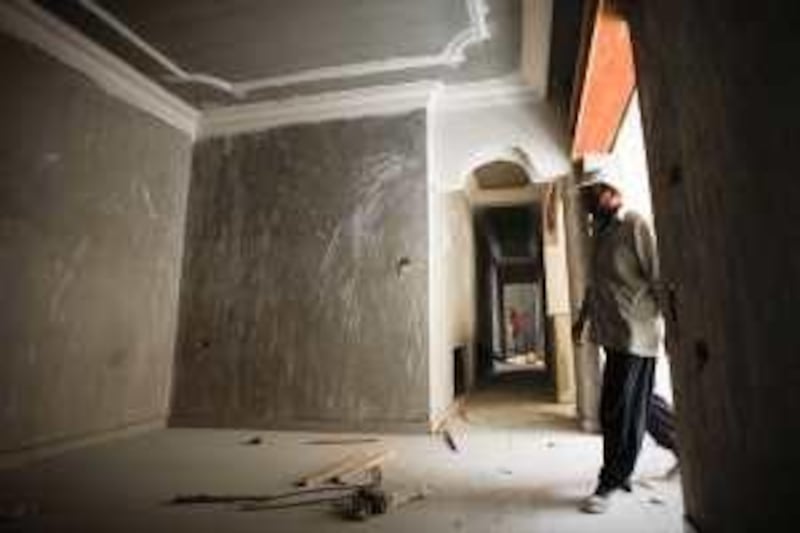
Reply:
x=327, y=473
x=374, y=461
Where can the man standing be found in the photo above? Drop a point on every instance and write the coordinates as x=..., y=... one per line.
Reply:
x=622, y=308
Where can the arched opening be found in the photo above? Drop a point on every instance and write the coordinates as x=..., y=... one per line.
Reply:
x=501, y=273
x=510, y=300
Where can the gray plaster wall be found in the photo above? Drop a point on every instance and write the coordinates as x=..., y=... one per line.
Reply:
x=304, y=298
x=719, y=104
x=92, y=202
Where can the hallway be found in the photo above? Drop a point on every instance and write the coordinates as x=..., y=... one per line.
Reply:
x=520, y=466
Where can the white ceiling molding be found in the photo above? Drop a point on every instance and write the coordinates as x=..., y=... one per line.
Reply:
x=373, y=101
x=505, y=90
x=133, y=38
x=537, y=22
x=28, y=22
x=452, y=55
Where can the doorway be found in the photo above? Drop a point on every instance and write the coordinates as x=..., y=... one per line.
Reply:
x=513, y=338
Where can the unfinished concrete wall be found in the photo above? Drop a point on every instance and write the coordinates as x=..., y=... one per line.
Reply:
x=92, y=199
x=304, y=301
x=719, y=103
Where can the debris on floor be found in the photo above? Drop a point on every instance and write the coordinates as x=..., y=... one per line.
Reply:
x=363, y=503
x=343, y=441
x=399, y=499
x=347, y=468
x=370, y=501
x=449, y=441
x=298, y=495
x=253, y=441
x=352, y=500
x=371, y=465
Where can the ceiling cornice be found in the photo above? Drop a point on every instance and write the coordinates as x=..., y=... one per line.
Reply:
x=504, y=90
x=451, y=55
x=381, y=100
x=30, y=23
x=372, y=101
x=27, y=21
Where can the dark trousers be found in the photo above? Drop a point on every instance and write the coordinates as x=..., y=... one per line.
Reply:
x=627, y=388
x=661, y=423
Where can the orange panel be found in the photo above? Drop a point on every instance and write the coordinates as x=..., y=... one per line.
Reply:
x=609, y=80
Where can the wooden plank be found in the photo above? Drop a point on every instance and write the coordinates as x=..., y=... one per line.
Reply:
x=370, y=462
x=333, y=442
x=331, y=471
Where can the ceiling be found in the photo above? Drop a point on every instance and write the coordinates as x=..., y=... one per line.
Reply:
x=217, y=52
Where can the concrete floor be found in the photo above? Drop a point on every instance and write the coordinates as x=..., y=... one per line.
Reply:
x=520, y=466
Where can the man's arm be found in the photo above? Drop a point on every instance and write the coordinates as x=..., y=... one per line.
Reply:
x=583, y=316
x=647, y=254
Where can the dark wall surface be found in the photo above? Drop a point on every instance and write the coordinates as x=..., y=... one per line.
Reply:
x=719, y=102
x=92, y=197
x=304, y=299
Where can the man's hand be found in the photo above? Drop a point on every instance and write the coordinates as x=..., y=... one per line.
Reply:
x=583, y=315
x=577, y=332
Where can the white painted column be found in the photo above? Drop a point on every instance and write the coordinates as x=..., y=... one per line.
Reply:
x=587, y=355
x=557, y=290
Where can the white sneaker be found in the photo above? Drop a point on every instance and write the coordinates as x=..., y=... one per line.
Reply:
x=597, y=503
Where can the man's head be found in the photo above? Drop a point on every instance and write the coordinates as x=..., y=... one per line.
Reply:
x=600, y=194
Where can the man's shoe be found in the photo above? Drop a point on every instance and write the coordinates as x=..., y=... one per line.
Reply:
x=598, y=502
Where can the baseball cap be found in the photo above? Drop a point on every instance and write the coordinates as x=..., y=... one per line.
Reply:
x=602, y=172
x=599, y=177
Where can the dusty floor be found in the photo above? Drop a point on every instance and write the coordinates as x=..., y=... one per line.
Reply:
x=520, y=466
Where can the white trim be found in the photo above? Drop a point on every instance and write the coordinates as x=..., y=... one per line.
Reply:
x=507, y=90
x=118, y=26
x=537, y=22
x=382, y=100
x=436, y=340
x=28, y=22
x=507, y=153
x=353, y=70
x=452, y=55
x=375, y=100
